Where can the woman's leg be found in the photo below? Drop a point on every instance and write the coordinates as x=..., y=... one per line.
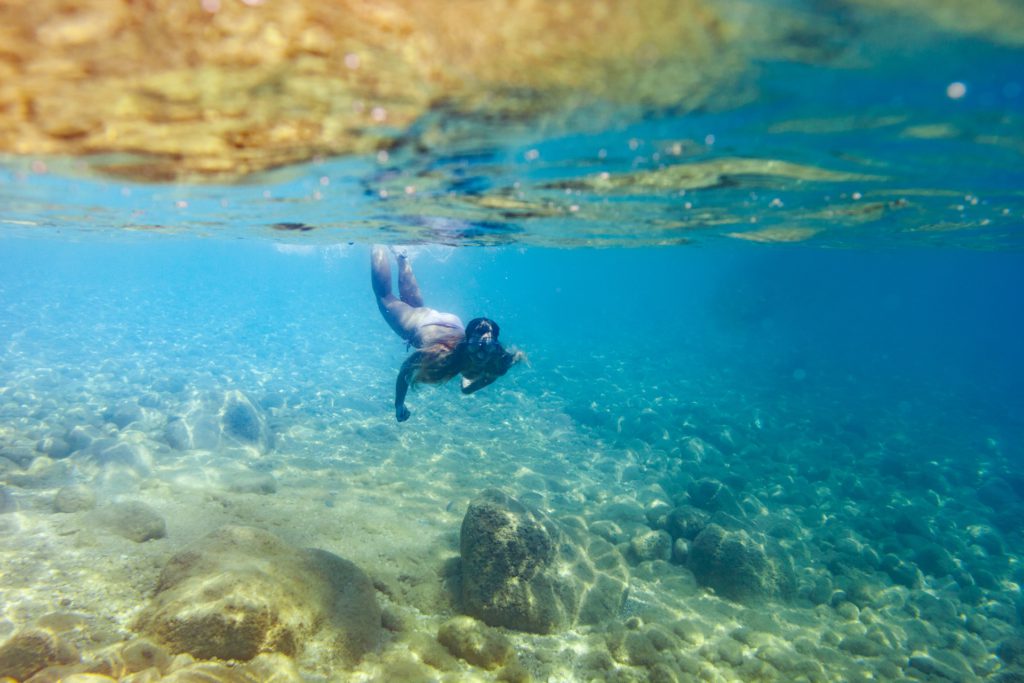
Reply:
x=399, y=314
x=408, y=288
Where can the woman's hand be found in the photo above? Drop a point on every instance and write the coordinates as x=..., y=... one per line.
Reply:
x=520, y=356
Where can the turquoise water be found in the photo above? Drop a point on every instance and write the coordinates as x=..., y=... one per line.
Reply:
x=855, y=385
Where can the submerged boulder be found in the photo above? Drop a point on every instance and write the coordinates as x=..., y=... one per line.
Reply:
x=241, y=591
x=20, y=452
x=241, y=420
x=226, y=421
x=686, y=522
x=81, y=436
x=133, y=520
x=131, y=455
x=736, y=566
x=74, y=498
x=902, y=572
x=32, y=650
x=713, y=496
x=523, y=571
x=193, y=430
x=124, y=413
x=509, y=575
x=651, y=545
x=54, y=446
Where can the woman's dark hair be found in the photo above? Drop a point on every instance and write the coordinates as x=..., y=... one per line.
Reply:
x=486, y=323
x=439, y=362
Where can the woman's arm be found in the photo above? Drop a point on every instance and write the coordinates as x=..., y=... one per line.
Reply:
x=495, y=368
x=470, y=386
x=405, y=375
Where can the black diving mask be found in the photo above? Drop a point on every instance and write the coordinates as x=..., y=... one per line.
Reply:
x=482, y=347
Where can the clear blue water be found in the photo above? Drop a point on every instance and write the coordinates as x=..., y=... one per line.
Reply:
x=872, y=367
x=875, y=331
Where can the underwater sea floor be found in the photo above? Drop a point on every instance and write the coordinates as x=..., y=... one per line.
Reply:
x=714, y=528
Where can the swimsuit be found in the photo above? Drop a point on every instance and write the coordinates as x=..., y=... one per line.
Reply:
x=428, y=333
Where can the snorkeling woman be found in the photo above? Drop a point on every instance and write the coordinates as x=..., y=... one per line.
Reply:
x=444, y=348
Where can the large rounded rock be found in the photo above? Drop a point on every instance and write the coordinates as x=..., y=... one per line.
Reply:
x=230, y=421
x=54, y=446
x=242, y=421
x=241, y=591
x=1011, y=650
x=128, y=455
x=998, y=494
x=20, y=453
x=74, y=498
x=32, y=650
x=80, y=437
x=713, y=496
x=133, y=520
x=194, y=430
x=510, y=567
x=124, y=414
x=651, y=545
x=686, y=522
x=902, y=572
x=735, y=566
